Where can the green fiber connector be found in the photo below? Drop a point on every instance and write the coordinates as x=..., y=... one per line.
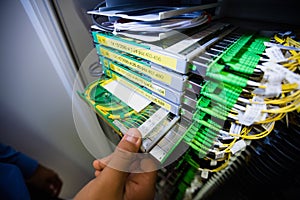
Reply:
x=200, y=151
x=199, y=115
x=192, y=130
x=232, y=88
x=195, y=147
x=188, y=138
x=223, y=100
x=195, y=126
x=217, y=112
x=233, y=94
x=212, y=113
x=193, y=67
x=240, y=68
x=229, y=95
x=214, y=124
x=208, y=143
x=202, y=145
x=191, y=134
x=249, y=59
x=227, y=57
x=220, y=110
x=181, y=187
x=215, y=68
x=203, y=102
x=235, y=48
x=258, y=45
x=202, y=154
x=243, y=40
x=203, y=135
x=229, y=78
x=197, y=143
x=211, y=132
x=189, y=176
x=210, y=125
x=210, y=86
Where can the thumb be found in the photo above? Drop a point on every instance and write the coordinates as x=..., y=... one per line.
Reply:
x=126, y=150
x=131, y=141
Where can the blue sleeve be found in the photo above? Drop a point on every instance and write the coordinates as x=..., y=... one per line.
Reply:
x=26, y=164
x=12, y=184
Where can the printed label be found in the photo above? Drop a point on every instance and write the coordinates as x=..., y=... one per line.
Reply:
x=137, y=79
x=140, y=52
x=137, y=66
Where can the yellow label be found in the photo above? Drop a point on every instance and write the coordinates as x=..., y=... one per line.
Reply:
x=164, y=77
x=144, y=93
x=105, y=63
x=147, y=54
x=108, y=73
x=137, y=79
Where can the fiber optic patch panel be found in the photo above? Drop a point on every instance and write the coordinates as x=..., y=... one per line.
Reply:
x=211, y=96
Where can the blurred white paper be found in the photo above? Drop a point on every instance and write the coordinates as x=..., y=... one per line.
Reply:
x=128, y=96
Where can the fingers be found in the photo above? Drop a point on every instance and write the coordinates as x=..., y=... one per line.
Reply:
x=144, y=162
x=141, y=188
x=100, y=164
x=141, y=185
x=148, y=170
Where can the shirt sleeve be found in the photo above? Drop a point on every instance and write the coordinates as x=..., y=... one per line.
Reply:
x=26, y=164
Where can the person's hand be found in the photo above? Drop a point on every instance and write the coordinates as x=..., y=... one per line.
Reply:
x=46, y=180
x=123, y=174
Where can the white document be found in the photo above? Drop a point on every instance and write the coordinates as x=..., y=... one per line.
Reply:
x=128, y=96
